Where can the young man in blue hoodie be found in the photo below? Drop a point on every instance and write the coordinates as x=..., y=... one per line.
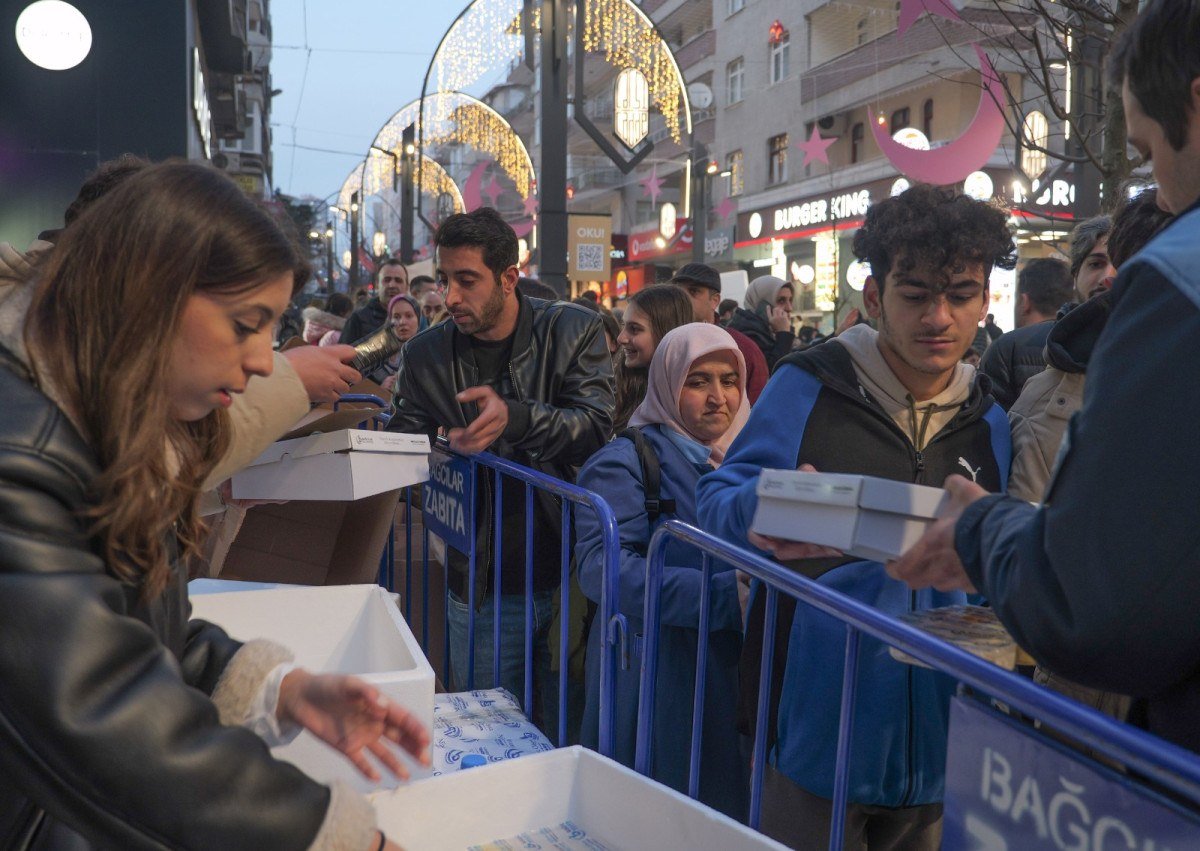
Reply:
x=899, y=404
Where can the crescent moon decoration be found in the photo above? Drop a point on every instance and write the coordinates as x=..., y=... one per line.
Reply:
x=473, y=187
x=952, y=162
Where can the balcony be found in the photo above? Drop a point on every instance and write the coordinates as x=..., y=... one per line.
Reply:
x=223, y=31
x=701, y=47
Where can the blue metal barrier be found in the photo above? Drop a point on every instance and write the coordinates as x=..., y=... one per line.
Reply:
x=1173, y=769
x=488, y=467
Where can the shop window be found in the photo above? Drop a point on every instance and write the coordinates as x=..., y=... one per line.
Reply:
x=899, y=120
x=777, y=148
x=927, y=119
x=735, y=73
x=856, y=142
x=735, y=162
x=735, y=6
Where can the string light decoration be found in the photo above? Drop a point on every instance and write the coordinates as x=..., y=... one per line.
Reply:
x=487, y=38
x=628, y=39
x=352, y=184
x=436, y=181
x=454, y=118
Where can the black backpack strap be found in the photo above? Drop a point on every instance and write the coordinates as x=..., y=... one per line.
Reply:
x=651, y=474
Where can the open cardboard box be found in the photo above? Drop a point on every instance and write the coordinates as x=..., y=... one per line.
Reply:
x=864, y=516
x=351, y=629
x=312, y=542
x=610, y=803
x=324, y=541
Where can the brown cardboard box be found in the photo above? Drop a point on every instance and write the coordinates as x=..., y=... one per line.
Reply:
x=312, y=543
x=316, y=542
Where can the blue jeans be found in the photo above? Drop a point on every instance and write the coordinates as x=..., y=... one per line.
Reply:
x=512, y=650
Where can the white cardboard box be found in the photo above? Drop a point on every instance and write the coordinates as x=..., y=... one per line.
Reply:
x=877, y=519
x=346, y=629
x=347, y=464
x=612, y=804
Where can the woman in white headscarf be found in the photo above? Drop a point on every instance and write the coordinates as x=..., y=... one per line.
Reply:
x=767, y=317
x=694, y=407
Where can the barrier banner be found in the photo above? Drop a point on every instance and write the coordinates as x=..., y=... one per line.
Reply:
x=446, y=500
x=1010, y=788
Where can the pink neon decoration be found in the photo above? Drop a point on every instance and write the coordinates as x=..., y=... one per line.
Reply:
x=953, y=161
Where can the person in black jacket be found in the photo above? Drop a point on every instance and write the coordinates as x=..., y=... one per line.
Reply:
x=529, y=380
x=1043, y=286
x=123, y=723
x=390, y=281
x=767, y=317
x=1099, y=583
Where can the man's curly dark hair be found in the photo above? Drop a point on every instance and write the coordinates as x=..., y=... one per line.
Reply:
x=933, y=227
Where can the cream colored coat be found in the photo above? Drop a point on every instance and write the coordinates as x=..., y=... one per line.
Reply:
x=1039, y=420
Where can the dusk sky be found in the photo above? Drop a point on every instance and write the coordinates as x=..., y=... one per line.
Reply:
x=345, y=66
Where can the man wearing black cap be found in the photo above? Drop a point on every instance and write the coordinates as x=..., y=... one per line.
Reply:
x=702, y=283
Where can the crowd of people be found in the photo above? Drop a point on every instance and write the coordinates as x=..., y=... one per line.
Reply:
x=140, y=371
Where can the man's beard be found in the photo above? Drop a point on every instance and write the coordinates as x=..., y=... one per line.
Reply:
x=489, y=314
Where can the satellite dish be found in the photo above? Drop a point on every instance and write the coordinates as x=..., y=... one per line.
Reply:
x=700, y=95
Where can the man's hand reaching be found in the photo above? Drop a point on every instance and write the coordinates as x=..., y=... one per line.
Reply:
x=489, y=425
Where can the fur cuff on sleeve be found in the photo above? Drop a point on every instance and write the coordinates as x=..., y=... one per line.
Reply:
x=243, y=678
x=349, y=822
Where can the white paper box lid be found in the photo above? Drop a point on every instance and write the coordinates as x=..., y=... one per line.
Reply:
x=825, y=488
x=901, y=498
x=344, y=440
x=842, y=489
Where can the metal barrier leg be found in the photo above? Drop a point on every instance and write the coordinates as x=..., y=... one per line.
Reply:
x=471, y=567
x=841, y=777
x=408, y=563
x=564, y=623
x=425, y=592
x=701, y=678
x=652, y=614
x=528, y=601
x=762, y=715
x=498, y=550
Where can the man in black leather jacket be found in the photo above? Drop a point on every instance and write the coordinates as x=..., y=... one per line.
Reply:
x=529, y=380
x=1043, y=286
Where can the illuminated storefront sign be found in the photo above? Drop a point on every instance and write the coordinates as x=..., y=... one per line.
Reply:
x=822, y=211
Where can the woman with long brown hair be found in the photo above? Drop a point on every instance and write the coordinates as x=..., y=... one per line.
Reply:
x=650, y=314
x=122, y=723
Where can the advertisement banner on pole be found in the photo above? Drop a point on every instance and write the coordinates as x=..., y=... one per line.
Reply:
x=1011, y=788
x=589, y=243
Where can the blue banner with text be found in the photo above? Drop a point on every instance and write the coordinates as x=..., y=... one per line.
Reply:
x=1010, y=788
x=447, y=500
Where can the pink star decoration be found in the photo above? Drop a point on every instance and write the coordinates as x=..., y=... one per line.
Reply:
x=816, y=147
x=652, y=185
x=493, y=190
x=531, y=205
x=726, y=209
x=910, y=10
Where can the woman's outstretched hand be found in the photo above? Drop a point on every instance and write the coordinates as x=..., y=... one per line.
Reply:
x=353, y=717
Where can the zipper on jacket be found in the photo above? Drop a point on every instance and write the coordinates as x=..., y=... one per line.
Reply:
x=920, y=457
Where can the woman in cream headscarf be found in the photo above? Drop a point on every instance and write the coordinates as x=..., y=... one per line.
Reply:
x=694, y=407
x=767, y=317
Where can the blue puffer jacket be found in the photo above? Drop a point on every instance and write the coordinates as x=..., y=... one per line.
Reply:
x=616, y=474
x=814, y=411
